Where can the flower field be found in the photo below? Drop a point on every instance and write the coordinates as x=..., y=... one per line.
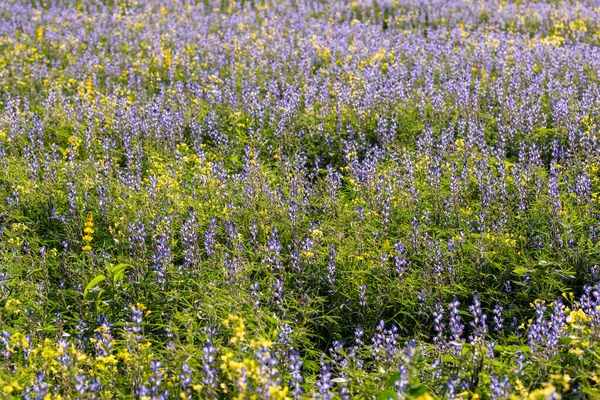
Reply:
x=299, y=199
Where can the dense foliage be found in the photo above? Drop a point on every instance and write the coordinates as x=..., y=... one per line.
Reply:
x=299, y=199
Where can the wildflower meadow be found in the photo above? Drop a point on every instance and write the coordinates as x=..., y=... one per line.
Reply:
x=299, y=199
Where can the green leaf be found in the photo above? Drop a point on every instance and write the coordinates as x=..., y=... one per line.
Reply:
x=447, y=358
x=93, y=284
x=392, y=380
x=565, y=340
x=417, y=391
x=520, y=271
x=387, y=394
x=491, y=361
x=118, y=272
x=594, y=393
x=525, y=349
x=33, y=271
x=94, y=294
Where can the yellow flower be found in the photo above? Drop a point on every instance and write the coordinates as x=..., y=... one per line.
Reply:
x=577, y=352
x=89, y=221
x=425, y=396
x=145, y=346
x=277, y=392
x=317, y=233
x=563, y=380
x=8, y=389
x=12, y=306
x=261, y=343
x=89, y=87
x=111, y=359
x=239, y=329
x=307, y=254
x=543, y=393
x=124, y=355
x=87, y=238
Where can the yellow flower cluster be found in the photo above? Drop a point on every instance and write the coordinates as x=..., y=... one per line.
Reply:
x=88, y=231
x=247, y=372
x=239, y=329
x=9, y=387
x=548, y=391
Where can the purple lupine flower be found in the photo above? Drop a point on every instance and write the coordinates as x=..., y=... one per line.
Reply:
x=80, y=327
x=400, y=261
x=451, y=385
x=37, y=390
x=324, y=383
x=538, y=330
x=268, y=366
x=499, y=387
x=438, y=323
x=83, y=385
x=4, y=280
x=455, y=322
x=185, y=377
x=498, y=319
x=137, y=236
x=256, y=294
x=478, y=324
x=210, y=237
x=558, y=320
x=156, y=380
x=161, y=258
x=353, y=351
x=135, y=326
x=103, y=337
x=64, y=358
x=331, y=267
x=594, y=272
x=5, y=339
x=295, y=367
x=278, y=292
x=72, y=197
x=401, y=385
x=362, y=296
x=208, y=363
x=189, y=239
x=384, y=343
x=583, y=188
